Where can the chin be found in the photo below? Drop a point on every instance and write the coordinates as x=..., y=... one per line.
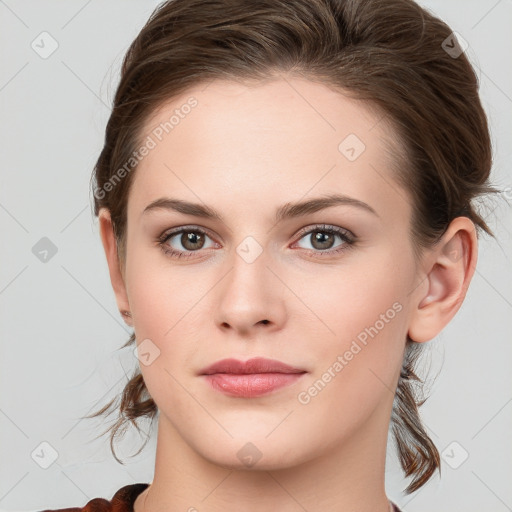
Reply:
x=254, y=453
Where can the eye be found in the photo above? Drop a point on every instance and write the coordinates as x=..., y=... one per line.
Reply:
x=322, y=238
x=184, y=241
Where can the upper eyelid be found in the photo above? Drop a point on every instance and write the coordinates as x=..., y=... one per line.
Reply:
x=325, y=227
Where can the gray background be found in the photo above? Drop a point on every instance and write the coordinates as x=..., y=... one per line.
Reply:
x=60, y=328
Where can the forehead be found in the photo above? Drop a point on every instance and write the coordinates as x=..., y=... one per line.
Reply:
x=286, y=135
x=297, y=106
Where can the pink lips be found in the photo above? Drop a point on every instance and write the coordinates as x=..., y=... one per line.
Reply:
x=252, y=378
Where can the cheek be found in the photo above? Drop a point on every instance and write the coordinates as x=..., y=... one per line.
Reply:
x=357, y=366
x=159, y=295
x=164, y=304
x=362, y=311
x=366, y=291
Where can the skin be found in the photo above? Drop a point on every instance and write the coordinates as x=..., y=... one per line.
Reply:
x=245, y=150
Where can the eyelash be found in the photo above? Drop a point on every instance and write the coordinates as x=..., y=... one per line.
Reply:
x=346, y=236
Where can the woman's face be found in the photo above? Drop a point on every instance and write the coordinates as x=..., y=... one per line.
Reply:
x=323, y=288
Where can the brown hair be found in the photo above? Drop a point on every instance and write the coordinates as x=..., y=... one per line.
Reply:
x=391, y=54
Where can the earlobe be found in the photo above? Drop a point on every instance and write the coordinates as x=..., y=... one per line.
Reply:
x=116, y=276
x=448, y=270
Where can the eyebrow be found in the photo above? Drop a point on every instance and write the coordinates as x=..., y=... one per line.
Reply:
x=286, y=211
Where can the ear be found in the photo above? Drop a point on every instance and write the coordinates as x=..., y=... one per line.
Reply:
x=447, y=272
x=114, y=266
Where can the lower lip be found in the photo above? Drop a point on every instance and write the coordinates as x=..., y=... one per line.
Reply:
x=252, y=384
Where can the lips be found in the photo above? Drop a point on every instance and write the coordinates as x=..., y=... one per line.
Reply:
x=255, y=365
x=252, y=378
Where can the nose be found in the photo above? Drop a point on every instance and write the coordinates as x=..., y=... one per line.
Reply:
x=251, y=296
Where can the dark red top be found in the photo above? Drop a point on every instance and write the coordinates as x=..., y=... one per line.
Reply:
x=122, y=501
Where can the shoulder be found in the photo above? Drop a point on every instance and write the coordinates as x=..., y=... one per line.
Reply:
x=122, y=501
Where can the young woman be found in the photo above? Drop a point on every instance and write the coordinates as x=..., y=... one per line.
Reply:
x=285, y=202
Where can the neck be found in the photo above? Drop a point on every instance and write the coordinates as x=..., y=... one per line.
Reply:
x=347, y=477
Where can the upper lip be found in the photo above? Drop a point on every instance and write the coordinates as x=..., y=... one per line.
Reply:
x=254, y=365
